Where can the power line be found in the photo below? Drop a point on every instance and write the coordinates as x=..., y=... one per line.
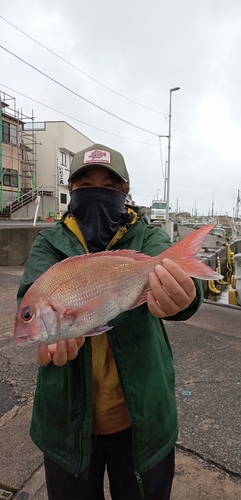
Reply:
x=76, y=119
x=78, y=95
x=80, y=70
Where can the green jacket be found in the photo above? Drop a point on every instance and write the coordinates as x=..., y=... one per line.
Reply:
x=62, y=413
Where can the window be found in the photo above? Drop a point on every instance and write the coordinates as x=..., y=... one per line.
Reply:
x=9, y=133
x=63, y=158
x=159, y=205
x=34, y=126
x=63, y=198
x=70, y=158
x=10, y=177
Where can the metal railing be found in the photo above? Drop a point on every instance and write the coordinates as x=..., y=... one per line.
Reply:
x=31, y=196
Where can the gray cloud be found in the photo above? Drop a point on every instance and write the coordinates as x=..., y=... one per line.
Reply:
x=141, y=50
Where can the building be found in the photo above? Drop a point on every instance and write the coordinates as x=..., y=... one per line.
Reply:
x=17, y=152
x=57, y=142
x=35, y=159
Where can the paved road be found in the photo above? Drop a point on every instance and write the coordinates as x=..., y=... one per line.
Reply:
x=207, y=351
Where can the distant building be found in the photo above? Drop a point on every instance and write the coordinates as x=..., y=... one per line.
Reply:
x=129, y=200
x=17, y=152
x=57, y=142
x=35, y=163
x=35, y=159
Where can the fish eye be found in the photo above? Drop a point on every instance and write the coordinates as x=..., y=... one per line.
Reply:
x=26, y=314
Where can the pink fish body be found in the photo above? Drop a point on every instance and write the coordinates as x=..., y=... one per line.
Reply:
x=79, y=295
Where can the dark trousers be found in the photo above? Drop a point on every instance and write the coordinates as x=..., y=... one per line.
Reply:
x=115, y=453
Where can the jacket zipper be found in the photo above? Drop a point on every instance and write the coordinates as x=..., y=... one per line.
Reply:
x=136, y=473
x=78, y=468
x=96, y=370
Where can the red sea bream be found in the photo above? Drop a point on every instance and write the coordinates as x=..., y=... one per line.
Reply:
x=79, y=295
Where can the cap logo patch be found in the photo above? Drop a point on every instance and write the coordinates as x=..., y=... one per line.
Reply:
x=97, y=156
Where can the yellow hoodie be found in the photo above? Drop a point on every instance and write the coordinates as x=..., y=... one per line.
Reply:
x=109, y=409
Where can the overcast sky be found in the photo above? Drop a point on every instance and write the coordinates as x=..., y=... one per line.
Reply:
x=139, y=50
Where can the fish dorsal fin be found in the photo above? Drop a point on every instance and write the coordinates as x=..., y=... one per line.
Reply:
x=131, y=254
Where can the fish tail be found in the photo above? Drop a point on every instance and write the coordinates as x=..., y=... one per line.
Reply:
x=198, y=269
x=184, y=254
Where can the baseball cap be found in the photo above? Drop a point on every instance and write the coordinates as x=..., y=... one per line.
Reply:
x=98, y=155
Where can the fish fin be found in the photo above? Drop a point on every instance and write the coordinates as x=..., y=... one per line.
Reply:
x=57, y=306
x=132, y=254
x=80, y=311
x=84, y=309
x=98, y=330
x=189, y=246
x=198, y=269
x=193, y=242
x=183, y=253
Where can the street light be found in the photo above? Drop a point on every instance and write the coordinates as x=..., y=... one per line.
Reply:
x=169, y=152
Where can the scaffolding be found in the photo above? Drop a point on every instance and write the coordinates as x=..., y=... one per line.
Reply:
x=20, y=153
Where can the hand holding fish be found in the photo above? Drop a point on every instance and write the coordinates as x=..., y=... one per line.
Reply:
x=172, y=290
x=60, y=352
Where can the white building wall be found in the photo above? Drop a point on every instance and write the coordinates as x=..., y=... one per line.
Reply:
x=56, y=145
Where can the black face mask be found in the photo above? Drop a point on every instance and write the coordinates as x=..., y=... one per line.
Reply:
x=99, y=213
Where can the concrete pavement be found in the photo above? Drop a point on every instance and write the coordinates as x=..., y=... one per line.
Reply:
x=206, y=351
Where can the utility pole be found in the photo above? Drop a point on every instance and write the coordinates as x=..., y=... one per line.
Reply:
x=168, y=222
x=165, y=181
x=169, y=150
x=1, y=159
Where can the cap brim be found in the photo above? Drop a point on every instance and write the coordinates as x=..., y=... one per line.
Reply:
x=85, y=168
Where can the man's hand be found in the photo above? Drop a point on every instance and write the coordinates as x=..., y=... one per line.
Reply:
x=59, y=353
x=172, y=290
